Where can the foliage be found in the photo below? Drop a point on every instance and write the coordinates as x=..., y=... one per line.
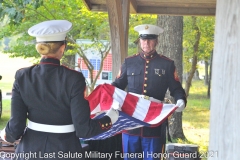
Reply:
x=14, y=9
x=86, y=25
x=18, y=16
x=206, y=27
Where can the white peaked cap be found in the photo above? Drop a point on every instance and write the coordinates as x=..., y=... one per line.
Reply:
x=148, y=29
x=53, y=30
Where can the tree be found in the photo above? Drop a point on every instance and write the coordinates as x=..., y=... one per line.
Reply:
x=20, y=15
x=197, y=44
x=170, y=45
x=195, y=50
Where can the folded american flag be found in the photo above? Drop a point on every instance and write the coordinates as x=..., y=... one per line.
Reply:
x=135, y=111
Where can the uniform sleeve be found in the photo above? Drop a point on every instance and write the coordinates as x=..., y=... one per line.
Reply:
x=175, y=87
x=121, y=79
x=85, y=126
x=17, y=123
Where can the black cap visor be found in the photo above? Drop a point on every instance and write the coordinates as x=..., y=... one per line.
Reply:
x=148, y=36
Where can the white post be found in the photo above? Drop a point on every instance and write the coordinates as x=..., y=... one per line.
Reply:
x=225, y=98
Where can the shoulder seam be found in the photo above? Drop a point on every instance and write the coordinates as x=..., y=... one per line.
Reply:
x=71, y=69
x=164, y=57
x=133, y=55
x=27, y=67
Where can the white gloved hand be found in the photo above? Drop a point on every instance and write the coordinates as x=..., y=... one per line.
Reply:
x=181, y=105
x=3, y=135
x=113, y=114
x=116, y=105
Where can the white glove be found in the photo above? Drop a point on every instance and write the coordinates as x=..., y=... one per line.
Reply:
x=116, y=105
x=181, y=105
x=3, y=135
x=113, y=114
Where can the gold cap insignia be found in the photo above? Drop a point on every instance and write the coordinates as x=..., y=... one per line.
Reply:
x=146, y=27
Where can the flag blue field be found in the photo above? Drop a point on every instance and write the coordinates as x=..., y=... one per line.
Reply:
x=124, y=122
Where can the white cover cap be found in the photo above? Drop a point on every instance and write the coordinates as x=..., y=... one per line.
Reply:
x=53, y=30
x=148, y=29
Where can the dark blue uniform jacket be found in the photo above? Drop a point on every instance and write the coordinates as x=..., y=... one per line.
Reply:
x=150, y=76
x=52, y=94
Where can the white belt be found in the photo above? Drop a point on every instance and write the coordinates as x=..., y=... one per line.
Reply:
x=51, y=128
x=146, y=97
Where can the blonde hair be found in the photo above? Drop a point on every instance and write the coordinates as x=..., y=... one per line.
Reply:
x=45, y=48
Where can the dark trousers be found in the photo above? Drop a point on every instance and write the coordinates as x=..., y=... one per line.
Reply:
x=112, y=145
x=142, y=148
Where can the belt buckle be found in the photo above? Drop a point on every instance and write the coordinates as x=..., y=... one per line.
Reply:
x=146, y=97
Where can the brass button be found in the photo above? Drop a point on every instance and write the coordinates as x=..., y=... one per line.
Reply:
x=147, y=61
x=145, y=85
x=151, y=56
x=146, y=66
x=146, y=72
x=145, y=91
x=144, y=56
x=145, y=78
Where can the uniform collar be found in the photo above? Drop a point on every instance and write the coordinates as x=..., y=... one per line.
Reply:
x=50, y=60
x=148, y=57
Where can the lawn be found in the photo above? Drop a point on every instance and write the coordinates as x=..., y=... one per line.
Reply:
x=8, y=68
x=196, y=116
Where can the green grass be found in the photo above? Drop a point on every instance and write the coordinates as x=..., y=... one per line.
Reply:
x=195, y=116
x=5, y=113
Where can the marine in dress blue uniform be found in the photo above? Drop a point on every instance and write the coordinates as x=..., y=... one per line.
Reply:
x=151, y=74
x=51, y=97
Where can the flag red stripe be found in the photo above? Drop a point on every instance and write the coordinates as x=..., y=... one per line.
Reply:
x=106, y=99
x=130, y=104
x=153, y=111
x=94, y=97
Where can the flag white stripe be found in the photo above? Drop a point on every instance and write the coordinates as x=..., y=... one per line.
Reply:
x=97, y=109
x=141, y=109
x=167, y=108
x=119, y=95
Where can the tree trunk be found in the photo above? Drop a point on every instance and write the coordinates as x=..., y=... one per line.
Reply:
x=206, y=73
x=170, y=45
x=196, y=75
x=69, y=61
x=210, y=76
